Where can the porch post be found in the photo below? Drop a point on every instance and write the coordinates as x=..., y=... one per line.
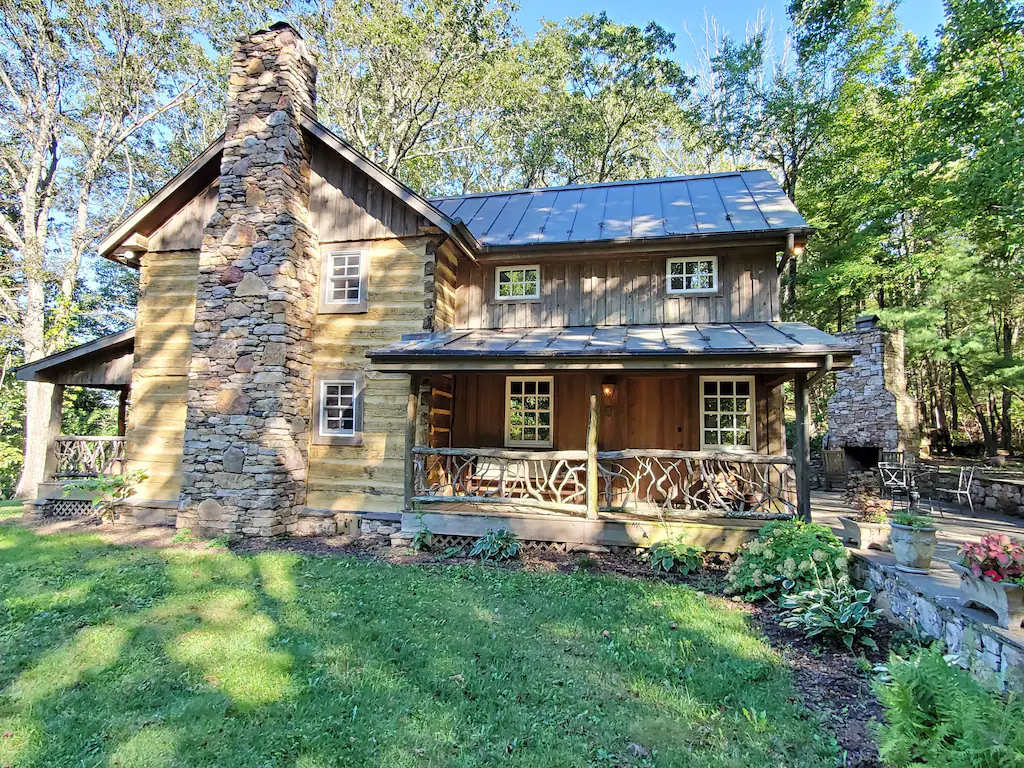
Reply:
x=592, y=420
x=122, y=411
x=52, y=432
x=412, y=409
x=802, y=449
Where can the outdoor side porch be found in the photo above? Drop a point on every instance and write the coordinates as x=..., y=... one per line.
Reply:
x=606, y=453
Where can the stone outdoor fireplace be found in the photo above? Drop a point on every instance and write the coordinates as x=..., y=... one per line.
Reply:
x=871, y=411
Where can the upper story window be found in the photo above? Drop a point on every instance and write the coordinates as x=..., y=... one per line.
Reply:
x=515, y=283
x=343, y=281
x=529, y=408
x=692, y=274
x=727, y=413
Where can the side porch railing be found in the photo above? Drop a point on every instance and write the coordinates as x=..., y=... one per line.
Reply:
x=644, y=482
x=88, y=456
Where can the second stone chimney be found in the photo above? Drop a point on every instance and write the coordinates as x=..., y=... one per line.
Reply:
x=247, y=425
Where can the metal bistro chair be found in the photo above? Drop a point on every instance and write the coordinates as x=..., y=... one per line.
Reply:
x=963, y=488
x=895, y=481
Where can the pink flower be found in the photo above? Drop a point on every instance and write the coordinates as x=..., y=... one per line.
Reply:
x=993, y=575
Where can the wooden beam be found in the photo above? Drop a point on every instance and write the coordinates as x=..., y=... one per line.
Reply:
x=592, y=422
x=802, y=449
x=412, y=407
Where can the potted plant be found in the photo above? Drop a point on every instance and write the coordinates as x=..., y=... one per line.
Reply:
x=868, y=530
x=991, y=573
x=912, y=538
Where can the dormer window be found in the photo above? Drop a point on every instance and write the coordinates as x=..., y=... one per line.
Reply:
x=517, y=283
x=343, y=281
x=692, y=274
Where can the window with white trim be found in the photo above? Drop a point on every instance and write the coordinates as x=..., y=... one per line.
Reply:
x=529, y=411
x=692, y=274
x=344, y=284
x=514, y=283
x=727, y=413
x=338, y=407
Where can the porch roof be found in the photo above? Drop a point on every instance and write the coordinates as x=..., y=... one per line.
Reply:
x=104, y=363
x=685, y=345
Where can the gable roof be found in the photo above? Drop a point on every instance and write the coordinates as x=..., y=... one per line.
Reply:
x=744, y=202
x=205, y=169
x=98, y=350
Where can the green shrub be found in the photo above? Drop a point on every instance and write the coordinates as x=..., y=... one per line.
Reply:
x=422, y=540
x=785, y=551
x=833, y=610
x=917, y=522
x=936, y=715
x=501, y=544
x=111, y=490
x=674, y=554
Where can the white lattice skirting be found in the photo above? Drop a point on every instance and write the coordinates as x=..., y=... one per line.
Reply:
x=68, y=508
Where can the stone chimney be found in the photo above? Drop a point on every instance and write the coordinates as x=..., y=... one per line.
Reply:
x=871, y=410
x=247, y=426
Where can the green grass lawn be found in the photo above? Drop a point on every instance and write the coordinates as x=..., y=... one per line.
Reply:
x=130, y=657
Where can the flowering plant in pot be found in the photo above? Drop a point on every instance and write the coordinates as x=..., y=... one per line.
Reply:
x=991, y=573
x=913, y=541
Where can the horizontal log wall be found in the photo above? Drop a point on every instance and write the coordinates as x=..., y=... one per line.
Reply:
x=370, y=477
x=623, y=290
x=159, y=393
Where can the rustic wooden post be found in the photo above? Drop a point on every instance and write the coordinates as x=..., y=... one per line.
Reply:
x=592, y=421
x=802, y=449
x=122, y=411
x=411, y=412
x=51, y=433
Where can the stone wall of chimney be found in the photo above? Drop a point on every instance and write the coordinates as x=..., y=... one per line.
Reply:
x=871, y=407
x=246, y=437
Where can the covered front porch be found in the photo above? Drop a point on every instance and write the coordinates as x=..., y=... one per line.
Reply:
x=558, y=439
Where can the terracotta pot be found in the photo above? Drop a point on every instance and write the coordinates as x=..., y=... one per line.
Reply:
x=1005, y=599
x=913, y=548
x=861, y=535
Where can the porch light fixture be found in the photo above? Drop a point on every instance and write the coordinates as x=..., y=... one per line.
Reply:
x=608, y=390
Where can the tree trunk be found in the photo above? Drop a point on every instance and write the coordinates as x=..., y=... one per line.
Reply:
x=1006, y=436
x=954, y=406
x=38, y=395
x=979, y=410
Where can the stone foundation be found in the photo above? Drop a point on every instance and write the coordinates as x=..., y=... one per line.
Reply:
x=993, y=657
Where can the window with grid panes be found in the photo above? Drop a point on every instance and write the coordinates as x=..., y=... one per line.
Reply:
x=727, y=412
x=693, y=274
x=517, y=282
x=343, y=280
x=529, y=409
x=338, y=408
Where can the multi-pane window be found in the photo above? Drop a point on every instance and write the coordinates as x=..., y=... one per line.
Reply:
x=344, y=278
x=528, y=410
x=517, y=282
x=727, y=412
x=338, y=408
x=693, y=274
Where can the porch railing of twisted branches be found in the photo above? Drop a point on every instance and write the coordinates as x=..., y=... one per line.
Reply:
x=642, y=482
x=88, y=456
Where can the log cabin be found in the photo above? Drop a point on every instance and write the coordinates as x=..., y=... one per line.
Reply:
x=319, y=349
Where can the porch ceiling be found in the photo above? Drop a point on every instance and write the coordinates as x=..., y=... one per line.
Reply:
x=104, y=363
x=687, y=345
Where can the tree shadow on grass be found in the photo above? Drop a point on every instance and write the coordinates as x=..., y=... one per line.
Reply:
x=174, y=658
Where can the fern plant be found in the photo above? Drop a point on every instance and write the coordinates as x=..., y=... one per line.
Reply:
x=674, y=554
x=499, y=544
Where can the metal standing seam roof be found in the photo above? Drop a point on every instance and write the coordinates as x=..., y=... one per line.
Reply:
x=719, y=203
x=595, y=341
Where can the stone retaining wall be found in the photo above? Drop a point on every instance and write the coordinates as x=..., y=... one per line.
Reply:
x=994, y=658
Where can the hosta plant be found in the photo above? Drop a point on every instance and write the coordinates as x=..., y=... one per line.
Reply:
x=674, y=554
x=832, y=610
x=996, y=556
x=501, y=544
x=785, y=551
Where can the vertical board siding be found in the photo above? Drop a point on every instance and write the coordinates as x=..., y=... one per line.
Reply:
x=163, y=341
x=346, y=204
x=184, y=230
x=622, y=291
x=369, y=478
x=647, y=412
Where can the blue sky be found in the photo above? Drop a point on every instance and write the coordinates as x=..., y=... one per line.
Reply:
x=919, y=16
